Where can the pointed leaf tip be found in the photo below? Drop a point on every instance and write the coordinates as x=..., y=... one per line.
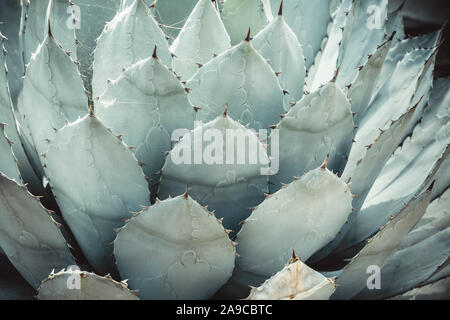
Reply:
x=225, y=112
x=49, y=29
x=155, y=56
x=186, y=194
x=325, y=163
x=248, y=36
x=392, y=36
x=280, y=11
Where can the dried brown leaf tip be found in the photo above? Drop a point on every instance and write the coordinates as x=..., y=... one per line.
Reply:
x=248, y=36
x=186, y=193
x=154, y=55
x=225, y=112
x=294, y=258
x=325, y=163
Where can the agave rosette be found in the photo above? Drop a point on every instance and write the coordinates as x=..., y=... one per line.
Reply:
x=362, y=149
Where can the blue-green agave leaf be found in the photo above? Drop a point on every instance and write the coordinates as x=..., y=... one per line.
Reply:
x=241, y=15
x=171, y=14
x=364, y=30
x=379, y=248
x=187, y=253
x=410, y=169
x=96, y=181
x=433, y=291
x=364, y=84
x=320, y=124
x=304, y=216
x=36, y=17
x=91, y=287
x=8, y=162
x=154, y=100
x=131, y=36
x=202, y=37
x=310, y=21
x=219, y=178
x=325, y=62
x=29, y=236
x=279, y=45
x=420, y=255
x=242, y=78
x=10, y=15
x=52, y=94
x=91, y=17
x=363, y=173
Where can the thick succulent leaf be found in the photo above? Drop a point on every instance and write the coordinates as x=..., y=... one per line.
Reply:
x=423, y=91
x=52, y=94
x=398, y=51
x=29, y=236
x=12, y=285
x=320, y=124
x=150, y=97
x=241, y=15
x=325, y=63
x=296, y=281
x=36, y=17
x=10, y=14
x=187, y=253
x=128, y=38
x=202, y=37
x=172, y=14
x=398, y=92
x=278, y=43
x=8, y=162
x=409, y=171
x=362, y=173
x=433, y=291
x=91, y=287
x=105, y=183
x=436, y=219
x=229, y=182
x=364, y=84
x=241, y=77
x=421, y=253
x=304, y=216
x=92, y=16
x=7, y=116
x=364, y=30
x=379, y=248
x=310, y=22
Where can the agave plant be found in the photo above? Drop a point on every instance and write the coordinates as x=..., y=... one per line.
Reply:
x=94, y=205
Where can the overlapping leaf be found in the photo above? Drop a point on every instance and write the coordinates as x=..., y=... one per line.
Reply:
x=80, y=285
x=175, y=249
x=278, y=43
x=220, y=169
x=29, y=236
x=96, y=181
x=242, y=78
x=128, y=38
x=304, y=216
x=377, y=251
x=202, y=37
x=320, y=124
x=153, y=99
